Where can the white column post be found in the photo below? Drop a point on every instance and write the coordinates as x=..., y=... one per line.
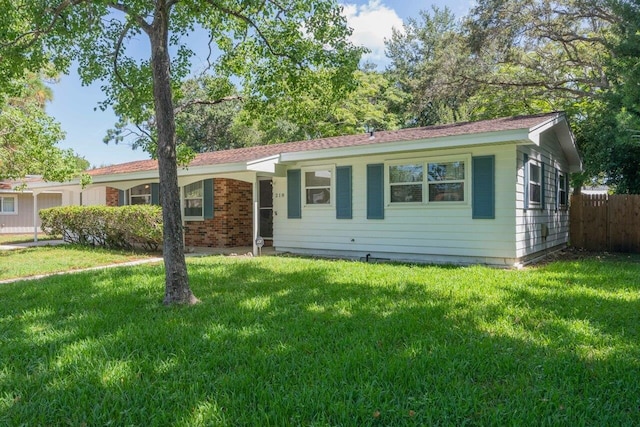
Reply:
x=35, y=216
x=256, y=215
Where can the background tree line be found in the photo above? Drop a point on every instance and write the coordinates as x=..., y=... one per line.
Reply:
x=505, y=58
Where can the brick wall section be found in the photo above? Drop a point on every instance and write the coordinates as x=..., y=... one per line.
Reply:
x=232, y=223
x=112, y=196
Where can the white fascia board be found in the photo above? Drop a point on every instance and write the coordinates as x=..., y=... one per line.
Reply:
x=239, y=176
x=537, y=131
x=54, y=187
x=487, y=138
x=266, y=164
x=146, y=176
x=563, y=132
x=126, y=180
x=15, y=192
x=212, y=169
x=54, y=191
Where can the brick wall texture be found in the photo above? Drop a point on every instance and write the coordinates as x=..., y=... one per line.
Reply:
x=112, y=196
x=232, y=223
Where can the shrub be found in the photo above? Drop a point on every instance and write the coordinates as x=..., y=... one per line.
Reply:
x=124, y=227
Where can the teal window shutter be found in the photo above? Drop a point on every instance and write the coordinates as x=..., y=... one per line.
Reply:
x=483, y=191
x=294, y=194
x=207, y=198
x=526, y=180
x=343, y=193
x=375, y=191
x=120, y=198
x=155, y=193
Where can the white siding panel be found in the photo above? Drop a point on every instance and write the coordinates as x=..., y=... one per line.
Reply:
x=94, y=196
x=23, y=221
x=427, y=231
x=530, y=222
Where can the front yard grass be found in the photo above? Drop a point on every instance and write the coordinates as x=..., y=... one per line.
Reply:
x=53, y=259
x=10, y=239
x=284, y=341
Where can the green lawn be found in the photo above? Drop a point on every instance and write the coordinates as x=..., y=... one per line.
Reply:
x=284, y=341
x=52, y=259
x=9, y=239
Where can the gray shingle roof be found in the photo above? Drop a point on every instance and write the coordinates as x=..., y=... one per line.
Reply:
x=248, y=154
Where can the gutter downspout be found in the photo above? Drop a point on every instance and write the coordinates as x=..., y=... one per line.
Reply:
x=255, y=214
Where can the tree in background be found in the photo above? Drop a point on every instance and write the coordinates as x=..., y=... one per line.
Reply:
x=276, y=50
x=615, y=136
x=510, y=57
x=372, y=104
x=28, y=136
x=206, y=126
x=426, y=60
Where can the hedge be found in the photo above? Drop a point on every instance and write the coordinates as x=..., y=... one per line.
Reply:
x=124, y=227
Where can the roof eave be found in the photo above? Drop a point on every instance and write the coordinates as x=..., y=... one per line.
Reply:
x=457, y=141
x=560, y=126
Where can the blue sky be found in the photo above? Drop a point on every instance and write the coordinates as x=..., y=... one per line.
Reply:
x=74, y=106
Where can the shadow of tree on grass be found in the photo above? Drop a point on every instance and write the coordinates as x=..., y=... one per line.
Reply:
x=301, y=342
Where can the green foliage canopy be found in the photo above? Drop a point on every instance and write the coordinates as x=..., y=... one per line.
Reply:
x=274, y=49
x=510, y=57
x=28, y=136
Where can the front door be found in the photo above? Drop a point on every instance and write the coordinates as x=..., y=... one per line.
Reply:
x=265, y=206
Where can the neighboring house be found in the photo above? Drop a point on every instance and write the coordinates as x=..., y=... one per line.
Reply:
x=493, y=191
x=595, y=189
x=18, y=209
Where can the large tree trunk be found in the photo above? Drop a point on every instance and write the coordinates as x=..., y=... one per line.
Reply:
x=177, y=289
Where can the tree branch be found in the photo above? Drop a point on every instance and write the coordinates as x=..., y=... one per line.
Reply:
x=189, y=104
x=56, y=13
x=242, y=17
x=116, y=54
x=144, y=25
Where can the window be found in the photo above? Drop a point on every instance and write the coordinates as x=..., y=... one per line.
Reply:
x=535, y=183
x=317, y=186
x=446, y=181
x=193, y=200
x=563, y=186
x=8, y=205
x=140, y=195
x=406, y=183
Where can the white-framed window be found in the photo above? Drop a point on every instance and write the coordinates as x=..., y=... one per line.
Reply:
x=9, y=205
x=563, y=190
x=535, y=183
x=194, y=200
x=446, y=181
x=317, y=186
x=140, y=195
x=406, y=183
x=435, y=181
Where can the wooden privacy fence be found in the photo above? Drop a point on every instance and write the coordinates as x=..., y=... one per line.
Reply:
x=602, y=222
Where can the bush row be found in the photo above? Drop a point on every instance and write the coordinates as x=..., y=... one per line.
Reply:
x=124, y=227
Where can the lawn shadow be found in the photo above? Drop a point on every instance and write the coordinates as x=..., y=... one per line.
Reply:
x=290, y=343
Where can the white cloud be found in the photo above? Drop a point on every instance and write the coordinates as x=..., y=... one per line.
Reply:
x=372, y=23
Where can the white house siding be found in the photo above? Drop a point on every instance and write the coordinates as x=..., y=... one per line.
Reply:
x=22, y=222
x=94, y=196
x=440, y=233
x=530, y=242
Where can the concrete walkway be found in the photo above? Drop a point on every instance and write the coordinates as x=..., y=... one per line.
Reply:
x=81, y=270
x=189, y=252
x=31, y=244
